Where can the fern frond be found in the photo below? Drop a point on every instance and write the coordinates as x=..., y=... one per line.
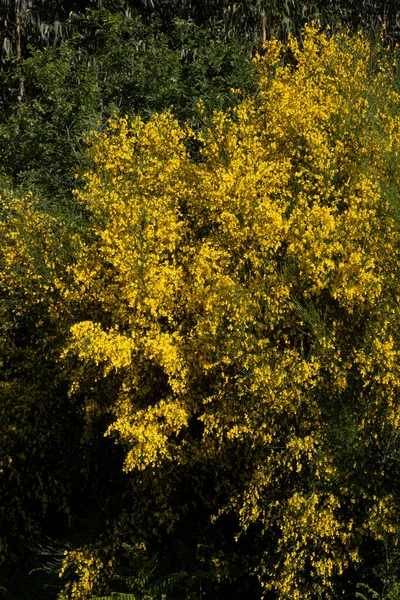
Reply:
x=167, y=583
x=373, y=595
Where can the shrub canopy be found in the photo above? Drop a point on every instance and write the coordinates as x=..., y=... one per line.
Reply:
x=232, y=324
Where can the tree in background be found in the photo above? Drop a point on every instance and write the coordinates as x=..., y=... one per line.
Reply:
x=110, y=63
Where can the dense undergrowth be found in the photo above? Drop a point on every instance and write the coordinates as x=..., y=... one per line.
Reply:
x=200, y=367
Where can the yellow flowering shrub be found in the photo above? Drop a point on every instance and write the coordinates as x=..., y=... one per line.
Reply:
x=88, y=573
x=32, y=423
x=259, y=286
x=235, y=322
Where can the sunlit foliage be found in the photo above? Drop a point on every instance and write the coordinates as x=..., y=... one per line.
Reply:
x=234, y=322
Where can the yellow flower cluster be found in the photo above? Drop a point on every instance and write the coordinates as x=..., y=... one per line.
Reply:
x=312, y=547
x=89, y=570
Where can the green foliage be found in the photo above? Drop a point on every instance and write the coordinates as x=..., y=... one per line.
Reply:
x=41, y=138
x=393, y=593
x=188, y=63
x=141, y=579
x=111, y=63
